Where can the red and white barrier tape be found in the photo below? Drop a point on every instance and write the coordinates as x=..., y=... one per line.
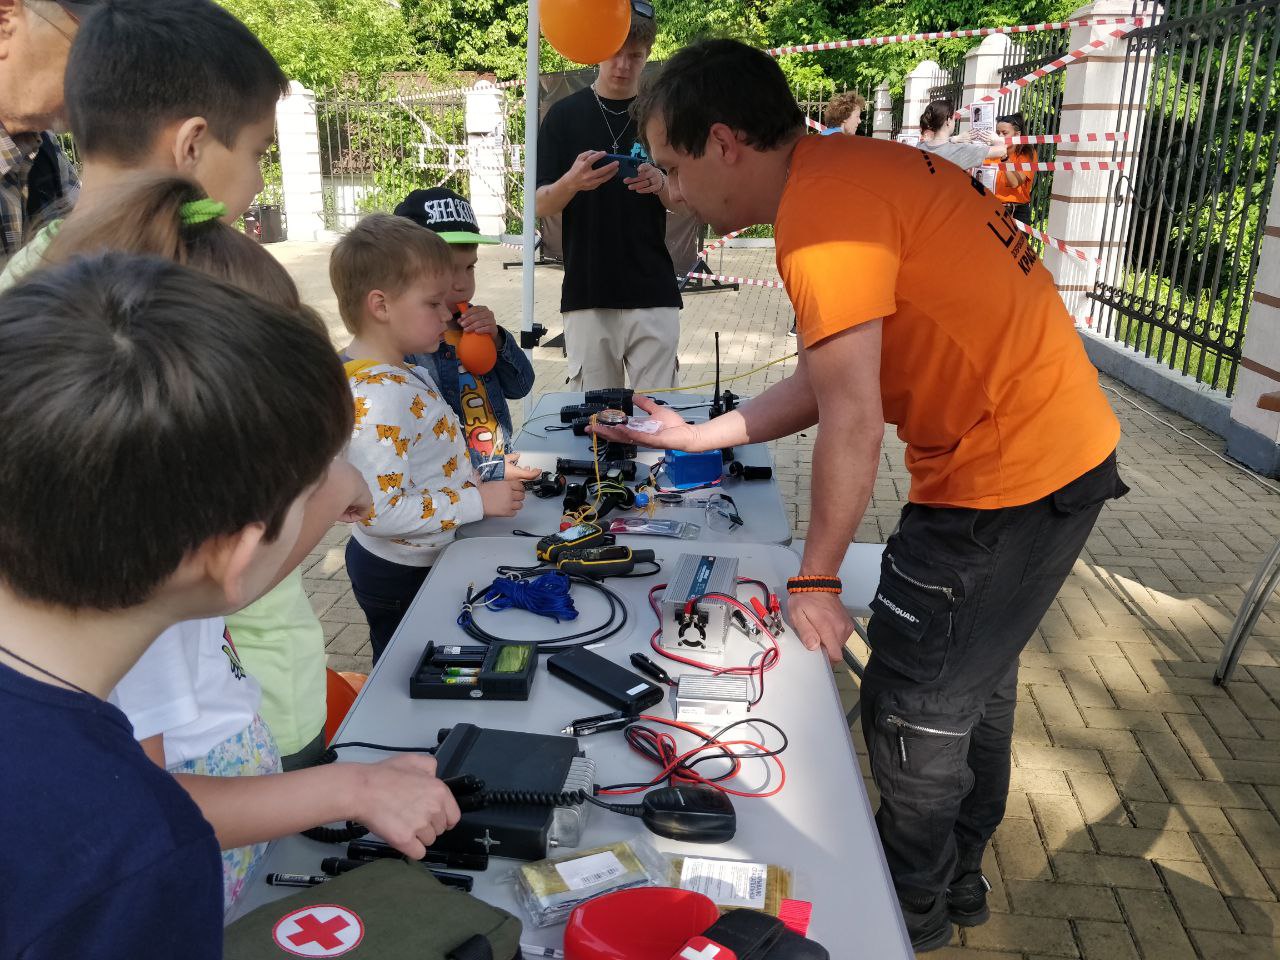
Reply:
x=745, y=281
x=1066, y=166
x=813, y=124
x=717, y=244
x=1075, y=56
x=950, y=35
x=1058, y=244
x=1041, y=138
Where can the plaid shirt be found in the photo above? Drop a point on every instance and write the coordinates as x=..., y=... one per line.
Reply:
x=37, y=184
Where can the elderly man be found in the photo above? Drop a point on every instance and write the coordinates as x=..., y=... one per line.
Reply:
x=37, y=182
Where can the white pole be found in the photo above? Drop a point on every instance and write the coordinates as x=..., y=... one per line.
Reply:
x=530, y=173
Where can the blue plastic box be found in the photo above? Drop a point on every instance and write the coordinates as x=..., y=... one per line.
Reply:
x=693, y=469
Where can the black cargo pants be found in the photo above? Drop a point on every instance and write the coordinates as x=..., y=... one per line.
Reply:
x=960, y=594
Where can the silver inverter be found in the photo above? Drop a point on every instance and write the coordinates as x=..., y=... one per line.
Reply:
x=704, y=629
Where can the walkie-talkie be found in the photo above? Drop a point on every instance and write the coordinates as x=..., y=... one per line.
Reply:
x=722, y=403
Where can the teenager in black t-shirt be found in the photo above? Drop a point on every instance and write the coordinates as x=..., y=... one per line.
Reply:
x=620, y=301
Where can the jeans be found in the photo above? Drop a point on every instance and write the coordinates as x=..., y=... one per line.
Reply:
x=384, y=591
x=960, y=594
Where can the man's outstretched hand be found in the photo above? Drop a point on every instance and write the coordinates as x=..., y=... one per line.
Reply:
x=673, y=433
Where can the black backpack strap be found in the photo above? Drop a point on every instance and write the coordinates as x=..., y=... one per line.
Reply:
x=475, y=948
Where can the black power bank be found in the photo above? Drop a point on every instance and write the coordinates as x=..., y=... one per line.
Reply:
x=605, y=680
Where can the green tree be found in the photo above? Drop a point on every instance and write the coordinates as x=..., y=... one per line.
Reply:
x=329, y=43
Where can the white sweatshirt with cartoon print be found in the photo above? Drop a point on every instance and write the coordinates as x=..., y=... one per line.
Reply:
x=409, y=446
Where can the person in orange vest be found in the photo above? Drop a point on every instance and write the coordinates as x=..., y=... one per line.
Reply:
x=1013, y=187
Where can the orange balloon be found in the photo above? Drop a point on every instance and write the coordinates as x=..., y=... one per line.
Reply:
x=477, y=353
x=586, y=31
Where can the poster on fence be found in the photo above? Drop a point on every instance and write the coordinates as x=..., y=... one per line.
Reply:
x=982, y=119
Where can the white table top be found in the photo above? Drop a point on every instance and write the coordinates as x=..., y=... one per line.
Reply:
x=820, y=825
x=759, y=502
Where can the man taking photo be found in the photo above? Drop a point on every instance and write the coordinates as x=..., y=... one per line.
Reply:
x=620, y=301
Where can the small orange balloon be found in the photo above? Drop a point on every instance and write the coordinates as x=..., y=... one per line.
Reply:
x=477, y=353
x=586, y=31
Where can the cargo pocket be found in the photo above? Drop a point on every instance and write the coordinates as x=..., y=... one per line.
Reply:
x=924, y=749
x=1066, y=524
x=912, y=620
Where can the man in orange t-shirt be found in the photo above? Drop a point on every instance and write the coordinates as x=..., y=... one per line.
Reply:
x=1010, y=442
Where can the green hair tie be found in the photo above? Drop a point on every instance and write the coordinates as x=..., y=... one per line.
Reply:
x=201, y=211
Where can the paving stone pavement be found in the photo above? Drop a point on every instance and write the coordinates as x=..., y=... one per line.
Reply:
x=1142, y=817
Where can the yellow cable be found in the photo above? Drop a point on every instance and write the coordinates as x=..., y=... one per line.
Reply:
x=712, y=383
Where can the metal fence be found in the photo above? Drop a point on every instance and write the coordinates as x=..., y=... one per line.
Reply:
x=1202, y=90
x=374, y=153
x=1040, y=103
x=949, y=83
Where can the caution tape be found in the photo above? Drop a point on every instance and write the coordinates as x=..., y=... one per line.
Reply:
x=951, y=35
x=1058, y=244
x=813, y=124
x=744, y=281
x=1066, y=166
x=1075, y=56
x=717, y=244
x=1041, y=138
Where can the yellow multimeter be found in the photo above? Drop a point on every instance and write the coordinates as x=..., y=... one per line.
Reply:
x=581, y=534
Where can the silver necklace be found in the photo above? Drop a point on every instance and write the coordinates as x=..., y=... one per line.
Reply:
x=604, y=115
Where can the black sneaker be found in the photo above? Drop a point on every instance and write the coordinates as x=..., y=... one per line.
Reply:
x=967, y=900
x=929, y=929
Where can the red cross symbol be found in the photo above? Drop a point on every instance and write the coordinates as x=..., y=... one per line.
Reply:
x=700, y=948
x=311, y=930
x=323, y=930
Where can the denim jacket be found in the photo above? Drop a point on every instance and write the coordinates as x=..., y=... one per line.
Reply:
x=510, y=379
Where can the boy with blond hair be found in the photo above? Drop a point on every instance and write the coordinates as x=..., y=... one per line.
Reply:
x=393, y=278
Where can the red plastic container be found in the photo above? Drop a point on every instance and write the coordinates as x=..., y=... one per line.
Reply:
x=648, y=923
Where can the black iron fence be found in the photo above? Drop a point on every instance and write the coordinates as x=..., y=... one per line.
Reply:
x=1202, y=94
x=1039, y=102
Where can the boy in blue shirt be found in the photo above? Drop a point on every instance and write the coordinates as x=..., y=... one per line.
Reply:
x=140, y=489
x=479, y=397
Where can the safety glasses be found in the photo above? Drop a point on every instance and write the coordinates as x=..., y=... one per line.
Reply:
x=722, y=513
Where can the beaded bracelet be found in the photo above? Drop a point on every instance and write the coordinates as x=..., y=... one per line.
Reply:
x=811, y=584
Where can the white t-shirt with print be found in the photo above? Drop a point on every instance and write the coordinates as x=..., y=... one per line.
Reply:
x=190, y=686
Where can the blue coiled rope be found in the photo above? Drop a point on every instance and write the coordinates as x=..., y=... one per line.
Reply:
x=546, y=595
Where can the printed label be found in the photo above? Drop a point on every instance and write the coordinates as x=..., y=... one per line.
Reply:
x=727, y=883
x=638, y=688
x=590, y=871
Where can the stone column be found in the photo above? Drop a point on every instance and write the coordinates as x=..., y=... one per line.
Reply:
x=882, y=119
x=982, y=67
x=486, y=156
x=300, y=163
x=1253, y=435
x=916, y=93
x=1091, y=102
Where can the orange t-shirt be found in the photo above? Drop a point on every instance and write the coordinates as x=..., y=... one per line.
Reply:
x=982, y=370
x=1005, y=192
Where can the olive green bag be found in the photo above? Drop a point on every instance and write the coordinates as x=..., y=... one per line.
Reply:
x=386, y=910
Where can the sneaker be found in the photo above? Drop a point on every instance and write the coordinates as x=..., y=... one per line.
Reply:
x=792, y=331
x=929, y=929
x=967, y=900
